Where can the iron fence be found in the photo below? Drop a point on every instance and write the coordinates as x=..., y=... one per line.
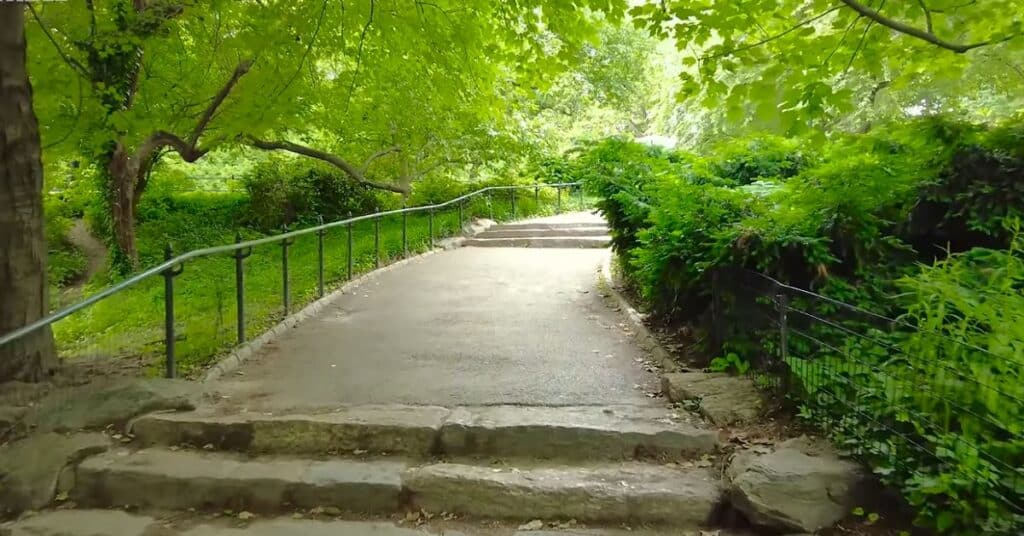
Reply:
x=931, y=412
x=442, y=219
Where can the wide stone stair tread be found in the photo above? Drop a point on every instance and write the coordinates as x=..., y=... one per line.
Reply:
x=180, y=480
x=547, y=226
x=567, y=433
x=629, y=492
x=120, y=523
x=579, y=242
x=499, y=232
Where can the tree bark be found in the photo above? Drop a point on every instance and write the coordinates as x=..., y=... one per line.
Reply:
x=23, y=285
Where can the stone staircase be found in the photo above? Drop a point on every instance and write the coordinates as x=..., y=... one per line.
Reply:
x=595, y=466
x=544, y=235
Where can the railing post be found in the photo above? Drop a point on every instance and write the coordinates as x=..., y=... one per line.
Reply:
x=376, y=241
x=169, y=335
x=459, y=231
x=285, y=292
x=580, y=189
x=782, y=302
x=513, y=191
x=240, y=255
x=490, y=203
x=405, y=231
x=430, y=228
x=350, y=247
x=558, y=206
x=320, y=258
x=536, y=193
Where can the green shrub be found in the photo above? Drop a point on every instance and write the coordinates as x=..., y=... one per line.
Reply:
x=746, y=160
x=286, y=191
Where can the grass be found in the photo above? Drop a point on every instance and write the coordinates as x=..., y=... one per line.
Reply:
x=130, y=325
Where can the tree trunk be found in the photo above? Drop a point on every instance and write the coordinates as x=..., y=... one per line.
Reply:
x=121, y=179
x=23, y=286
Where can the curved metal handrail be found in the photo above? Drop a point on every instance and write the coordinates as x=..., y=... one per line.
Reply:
x=170, y=264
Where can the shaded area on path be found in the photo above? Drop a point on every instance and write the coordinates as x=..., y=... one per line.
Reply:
x=465, y=327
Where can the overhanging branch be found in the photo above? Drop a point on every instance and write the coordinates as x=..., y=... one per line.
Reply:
x=332, y=159
x=924, y=35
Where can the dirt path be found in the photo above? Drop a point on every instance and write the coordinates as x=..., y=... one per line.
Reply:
x=94, y=249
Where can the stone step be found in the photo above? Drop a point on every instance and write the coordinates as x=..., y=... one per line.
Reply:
x=630, y=492
x=578, y=242
x=548, y=226
x=567, y=433
x=541, y=233
x=180, y=480
x=120, y=523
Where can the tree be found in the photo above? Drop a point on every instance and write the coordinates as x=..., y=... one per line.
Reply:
x=23, y=286
x=808, y=63
x=362, y=80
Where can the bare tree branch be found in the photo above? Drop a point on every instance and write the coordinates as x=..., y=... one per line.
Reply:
x=359, y=55
x=378, y=154
x=923, y=35
x=783, y=33
x=927, y=16
x=218, y=99
x=334, y=160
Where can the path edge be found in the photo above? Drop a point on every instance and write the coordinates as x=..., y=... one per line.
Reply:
x=642, y=334
x=243, y=352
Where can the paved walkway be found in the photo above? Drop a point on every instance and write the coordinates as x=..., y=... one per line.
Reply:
x=471, y=326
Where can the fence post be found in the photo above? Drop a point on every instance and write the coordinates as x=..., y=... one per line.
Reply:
x=320, y=259
x=536, y=193
x=580, y=189
x=350, y=247
x=782, y=303
x=240, y=255
x=490, y=203
x=716, y=313
x=459, y=230
x=513, y=192
x=430, y=228
x=558, y=206
x=405, y=231
x=169, y=335
x=285, y=292
x=376, y=242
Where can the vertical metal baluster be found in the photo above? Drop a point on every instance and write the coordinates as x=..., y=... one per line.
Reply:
x=558, y=206
x=513, y=191
x=580, y=188
x=405, y=231
x=320, y=259
x=459, y=230
x=430, y=228
x=285, y=290
x=490, y=203
x=783, y=304
x=376, y=241
x=169, y=334
x=240, y=255
x=536, y=193
x=350, y=247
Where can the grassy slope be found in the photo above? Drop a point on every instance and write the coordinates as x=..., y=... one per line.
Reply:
x=130, y=324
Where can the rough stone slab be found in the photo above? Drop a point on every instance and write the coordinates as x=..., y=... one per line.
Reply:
x=725, y=400
x=95, y=405
x=302, y=527
x=541, y=242
x=530, y=233
x=81, y=523
x=373, y=428
x=802, y=486
x=577, y=433
x=179, y=480
x=630, y=492
x=30, y=468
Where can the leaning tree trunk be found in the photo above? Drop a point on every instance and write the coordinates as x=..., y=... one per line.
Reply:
x=23, y=286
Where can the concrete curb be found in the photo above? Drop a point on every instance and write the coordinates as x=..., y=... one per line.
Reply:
x=245, y=351
x=642, y=335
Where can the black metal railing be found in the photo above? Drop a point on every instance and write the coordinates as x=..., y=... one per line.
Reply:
x=929, y=411
x=174, y=265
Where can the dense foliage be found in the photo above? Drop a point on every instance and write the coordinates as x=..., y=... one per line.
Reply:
x=915, y=220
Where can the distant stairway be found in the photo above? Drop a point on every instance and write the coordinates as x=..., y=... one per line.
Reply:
x=543, y=235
